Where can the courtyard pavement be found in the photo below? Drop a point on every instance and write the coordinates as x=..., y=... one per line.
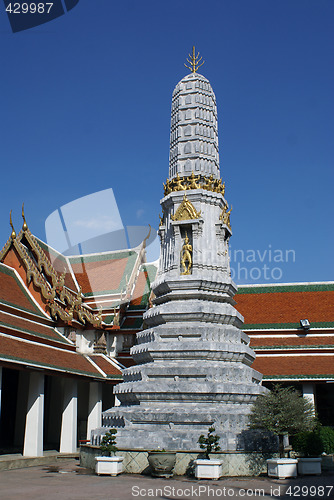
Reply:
x=66, y=480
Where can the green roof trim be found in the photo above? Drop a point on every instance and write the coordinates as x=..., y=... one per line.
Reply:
x=11, y=273
x=287, y=326
x=108, y=319
x=117, y=377
x=319, y=287
x=151, y=274
x=140, y=307
x=136, y=325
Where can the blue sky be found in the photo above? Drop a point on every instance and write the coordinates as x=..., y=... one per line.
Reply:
x=85, y=106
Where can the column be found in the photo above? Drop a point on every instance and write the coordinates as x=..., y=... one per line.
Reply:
x=21, y=406
x=309, y=393
x=94, y=407
x=0, y=387
x=68, y=435
x=33, y=435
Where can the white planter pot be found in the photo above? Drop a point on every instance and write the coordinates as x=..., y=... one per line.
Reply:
x=109, y=465
x=282, y=467
x=208, y=469
x=309, y=466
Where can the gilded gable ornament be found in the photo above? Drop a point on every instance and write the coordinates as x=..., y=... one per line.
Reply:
x=186, y=211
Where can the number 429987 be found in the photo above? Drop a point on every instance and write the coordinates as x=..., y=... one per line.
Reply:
x=31, y=8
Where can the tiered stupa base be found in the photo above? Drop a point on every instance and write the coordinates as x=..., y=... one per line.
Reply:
x=193, y=372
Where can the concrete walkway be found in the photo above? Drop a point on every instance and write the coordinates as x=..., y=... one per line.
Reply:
x=66, y=480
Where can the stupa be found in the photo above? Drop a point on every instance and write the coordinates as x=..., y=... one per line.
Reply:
x=193, y=359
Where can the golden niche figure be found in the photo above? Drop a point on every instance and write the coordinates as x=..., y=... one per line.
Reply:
x=186, y=256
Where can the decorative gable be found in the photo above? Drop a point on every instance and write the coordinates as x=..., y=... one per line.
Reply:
x=186, y=211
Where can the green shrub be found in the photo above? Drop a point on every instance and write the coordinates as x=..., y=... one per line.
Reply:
x=209, y=443
x=282, y=411
x=108, y=442
x=326, y=435
x=308, y=443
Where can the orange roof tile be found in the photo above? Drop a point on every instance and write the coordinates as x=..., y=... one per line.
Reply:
x=297, y=366
x=25, y=352
x=293, y=340
x=13, y=293
x=8, y=321
x=285, y=308
x=98, y=274
x=107, y=366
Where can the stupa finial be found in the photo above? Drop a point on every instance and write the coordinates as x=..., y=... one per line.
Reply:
x=195, y=61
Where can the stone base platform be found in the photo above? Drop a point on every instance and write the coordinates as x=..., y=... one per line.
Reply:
x=136, y=462
x=17, y=461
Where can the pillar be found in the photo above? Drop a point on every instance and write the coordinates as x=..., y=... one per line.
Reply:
x=68, y=434
x=309, y=393
x=33, y=435
x=94, y=407
x=0, y=387
x=21, y=406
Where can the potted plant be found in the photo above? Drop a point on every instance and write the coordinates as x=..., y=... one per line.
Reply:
x=309, y=444
x=162, y=462
x=207, y=468
x=282, y=411
x=108, y=463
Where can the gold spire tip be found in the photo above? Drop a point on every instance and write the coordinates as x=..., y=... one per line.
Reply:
x=25, y=226
x=195, y=61
x=13, y=235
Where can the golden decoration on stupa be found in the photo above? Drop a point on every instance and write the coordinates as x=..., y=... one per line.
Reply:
x=195, y=61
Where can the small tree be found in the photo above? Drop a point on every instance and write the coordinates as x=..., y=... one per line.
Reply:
x=108, y=442
x=282, y=411
x=209, y=443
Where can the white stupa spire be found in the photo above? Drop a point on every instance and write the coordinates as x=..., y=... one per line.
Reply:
x=194, y=130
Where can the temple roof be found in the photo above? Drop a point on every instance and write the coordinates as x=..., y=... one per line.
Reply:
x=284, y=350
x=298, y=367
x=284, y=305
x=142, y=291
x=14, y=293
x=105, y=273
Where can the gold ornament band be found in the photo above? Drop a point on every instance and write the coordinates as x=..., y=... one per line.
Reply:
x=194, y=182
